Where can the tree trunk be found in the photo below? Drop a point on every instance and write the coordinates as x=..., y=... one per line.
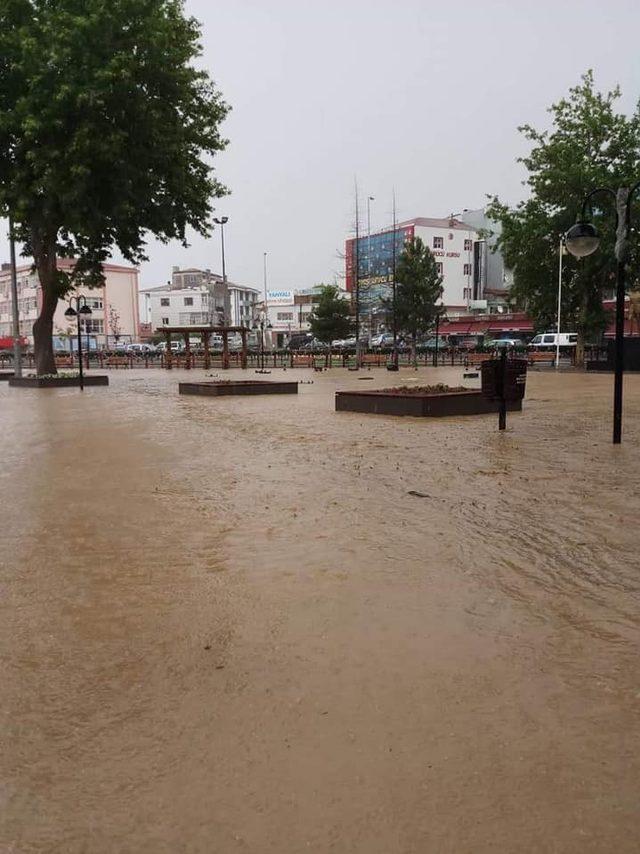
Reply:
x=414, y=351
x=44, y=253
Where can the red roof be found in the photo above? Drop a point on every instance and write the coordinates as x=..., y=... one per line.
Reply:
x=480, y=324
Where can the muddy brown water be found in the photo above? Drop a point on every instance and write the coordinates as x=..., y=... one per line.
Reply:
x=228, y=624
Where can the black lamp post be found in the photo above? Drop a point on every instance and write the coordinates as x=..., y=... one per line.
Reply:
x=222, y=221
x=262, y=324
x=439, y=317
x=81, y=309
x=583, y=239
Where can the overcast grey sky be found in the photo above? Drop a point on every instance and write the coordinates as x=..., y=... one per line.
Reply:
x=418, y=95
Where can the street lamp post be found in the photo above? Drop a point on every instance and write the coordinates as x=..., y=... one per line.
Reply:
x=17, y=349
x=561, y=252
x=582, y=239
x=81, y=309
x=262, y=324
x=222, y=221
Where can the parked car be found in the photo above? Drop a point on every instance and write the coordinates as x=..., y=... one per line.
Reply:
x=429, y=344
x=505, y=343
x=549, y=340
x=466, y=342
x=382, y=341
x=176, y=347
x=298, y=340
x=314, y=345
x=140, y=349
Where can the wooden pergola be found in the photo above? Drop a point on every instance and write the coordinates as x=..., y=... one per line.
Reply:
x=205, y=333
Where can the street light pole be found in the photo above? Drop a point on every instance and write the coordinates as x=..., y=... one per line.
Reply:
x=583, y=239
x=222, y=221
x=393, y=284
x=81, y=308
x=17, y=350
x=561, y=252
x=356, y=273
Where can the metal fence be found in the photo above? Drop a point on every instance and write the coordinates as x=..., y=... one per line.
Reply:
x=287, y=359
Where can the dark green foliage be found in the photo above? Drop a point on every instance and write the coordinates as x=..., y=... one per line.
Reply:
x=418, y=289
x=330, y=319
x=589, y=145
x=106, y=134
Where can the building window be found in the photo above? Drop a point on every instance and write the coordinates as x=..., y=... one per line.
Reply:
x=93, y=325
x=468, y=245
x=438, y=242
x=94, y=302
x=467, y=269
x=467, y=293
x=165, y=321
x=285, y=315
x=439, y=267
x=165, y=301
x=188, y=300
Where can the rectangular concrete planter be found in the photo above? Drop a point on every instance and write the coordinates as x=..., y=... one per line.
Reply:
x=219, y=389
x=60, y=382
x=420, y=405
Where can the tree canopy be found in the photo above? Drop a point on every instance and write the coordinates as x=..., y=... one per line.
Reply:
x=418, y=289
x=107, y=129
x=590, y=144
x=330, y=319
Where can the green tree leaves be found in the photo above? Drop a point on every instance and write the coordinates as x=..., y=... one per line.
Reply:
x=589, y=145
x=418, y=289
x=330, y=320
x=107, y=131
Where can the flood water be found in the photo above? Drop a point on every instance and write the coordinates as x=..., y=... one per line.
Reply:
x=228, y=625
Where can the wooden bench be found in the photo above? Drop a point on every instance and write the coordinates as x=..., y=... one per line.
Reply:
x=534, y=358
x=302, y=361
x=118, y=362
x=476, y=359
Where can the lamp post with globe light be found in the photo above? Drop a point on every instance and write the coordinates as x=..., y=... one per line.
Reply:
x=81, y=309
x=583, y=239
x=262, y=323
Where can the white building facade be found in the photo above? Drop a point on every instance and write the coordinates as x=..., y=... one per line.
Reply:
x=462, y=253
x=203, y=299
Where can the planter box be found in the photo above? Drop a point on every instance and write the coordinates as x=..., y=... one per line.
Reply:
x=219, y=389
x=5, y=375
x=420, y=405
x=60, y=382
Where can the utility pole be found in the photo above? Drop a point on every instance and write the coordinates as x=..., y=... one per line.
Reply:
x=356, y=256
x=393, y=284
x=369, y=200
x=561, y=252
x=17, y=349
x=266, y=304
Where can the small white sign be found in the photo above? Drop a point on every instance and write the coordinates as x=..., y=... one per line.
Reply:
x=280, y=297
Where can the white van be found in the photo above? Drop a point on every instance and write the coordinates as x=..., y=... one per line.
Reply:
x=549, y=340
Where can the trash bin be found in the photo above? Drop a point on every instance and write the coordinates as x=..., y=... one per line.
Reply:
x=504, y=379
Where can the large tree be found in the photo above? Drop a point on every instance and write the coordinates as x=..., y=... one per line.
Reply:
x=418, y=290
x=107, y=129
x=590, y=144
x=330, y=319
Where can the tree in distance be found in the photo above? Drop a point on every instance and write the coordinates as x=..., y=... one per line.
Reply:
x=107, y=131
x=330, y=319
x=589, y=145
x=418, y=290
